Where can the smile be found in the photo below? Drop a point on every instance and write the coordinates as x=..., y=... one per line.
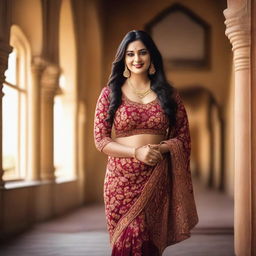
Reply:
x=138, y=65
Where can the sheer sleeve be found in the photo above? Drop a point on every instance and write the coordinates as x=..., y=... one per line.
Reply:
x=179, y=142
x=102, y=129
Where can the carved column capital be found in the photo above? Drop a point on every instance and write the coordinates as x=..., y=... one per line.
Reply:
x=38, y=64
x=238, y=30
x=48, y=75
x=50, y=80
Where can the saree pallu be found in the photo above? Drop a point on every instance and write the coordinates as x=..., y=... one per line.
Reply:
x=148, y=208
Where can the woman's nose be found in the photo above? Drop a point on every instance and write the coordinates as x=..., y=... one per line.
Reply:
x=136, y=57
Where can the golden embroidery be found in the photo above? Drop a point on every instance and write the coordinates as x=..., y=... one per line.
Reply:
x=138, y=103
x=136, y=118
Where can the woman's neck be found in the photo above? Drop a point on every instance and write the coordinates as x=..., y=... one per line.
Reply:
x=139, y=81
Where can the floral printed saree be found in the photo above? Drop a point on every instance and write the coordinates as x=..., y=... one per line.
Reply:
x=147, y=208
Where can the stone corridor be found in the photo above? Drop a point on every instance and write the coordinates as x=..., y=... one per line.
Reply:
x=83, y=232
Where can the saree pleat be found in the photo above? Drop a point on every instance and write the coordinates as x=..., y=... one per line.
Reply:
x=123, y=190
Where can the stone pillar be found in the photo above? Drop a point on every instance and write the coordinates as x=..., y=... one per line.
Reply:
x=80, y=139
x=5, y=49
x=238, y=27
x=3, y=66
x=50, y=84
x=253, y=122
x=37, y=68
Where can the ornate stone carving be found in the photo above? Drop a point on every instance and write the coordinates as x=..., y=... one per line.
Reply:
x=238, y=30
x=50, y=82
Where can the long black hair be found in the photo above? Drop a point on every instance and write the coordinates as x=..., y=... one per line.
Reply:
x=159, y=84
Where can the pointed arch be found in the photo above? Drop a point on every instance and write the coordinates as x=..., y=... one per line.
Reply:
x=175, y=26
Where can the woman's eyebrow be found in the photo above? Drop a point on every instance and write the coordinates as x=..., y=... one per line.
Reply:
x=143, y=49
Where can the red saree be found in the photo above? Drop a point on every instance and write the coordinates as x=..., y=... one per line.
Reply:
x=147, y=208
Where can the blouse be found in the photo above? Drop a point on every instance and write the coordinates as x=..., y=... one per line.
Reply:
x=130, y=118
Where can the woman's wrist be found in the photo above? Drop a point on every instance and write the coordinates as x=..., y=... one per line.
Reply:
x=135, y=152
x=163, y=148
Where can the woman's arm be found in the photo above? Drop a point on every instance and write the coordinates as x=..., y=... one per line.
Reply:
x=108, y=146
x=102, y=129
x=118, y=150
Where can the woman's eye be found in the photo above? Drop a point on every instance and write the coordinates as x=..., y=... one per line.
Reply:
x=143, y=52
x=130, y=54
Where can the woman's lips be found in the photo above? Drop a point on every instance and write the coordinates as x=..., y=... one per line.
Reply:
x=138, y=65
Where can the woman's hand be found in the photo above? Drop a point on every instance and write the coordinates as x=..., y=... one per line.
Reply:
x=162, y=147
x=148, y=154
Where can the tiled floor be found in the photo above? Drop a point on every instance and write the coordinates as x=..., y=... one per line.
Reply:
x=83, y=232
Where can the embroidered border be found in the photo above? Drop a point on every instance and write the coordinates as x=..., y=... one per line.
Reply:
x=126, y=99
x=102, y=143
x=177, y=151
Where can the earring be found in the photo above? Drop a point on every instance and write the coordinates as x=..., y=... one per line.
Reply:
x=152, y=69
x=126, y=72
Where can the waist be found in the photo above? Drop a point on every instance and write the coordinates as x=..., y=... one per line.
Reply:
x=139, y=140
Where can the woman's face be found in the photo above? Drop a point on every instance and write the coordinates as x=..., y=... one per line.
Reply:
x=137, y=57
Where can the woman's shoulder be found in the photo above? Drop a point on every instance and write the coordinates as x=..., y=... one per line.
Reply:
x=106, y=89
x=105, y=92
x=104, y=96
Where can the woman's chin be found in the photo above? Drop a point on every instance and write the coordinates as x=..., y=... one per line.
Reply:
x=138, y=72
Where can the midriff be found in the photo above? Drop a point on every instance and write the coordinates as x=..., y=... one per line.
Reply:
x=139, y=140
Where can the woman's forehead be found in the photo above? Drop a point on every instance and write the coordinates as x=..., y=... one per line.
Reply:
x=135, y=46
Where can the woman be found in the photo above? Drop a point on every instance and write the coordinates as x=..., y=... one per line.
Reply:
x=148, y=194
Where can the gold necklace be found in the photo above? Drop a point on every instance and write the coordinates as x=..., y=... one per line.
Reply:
x=139, y=93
